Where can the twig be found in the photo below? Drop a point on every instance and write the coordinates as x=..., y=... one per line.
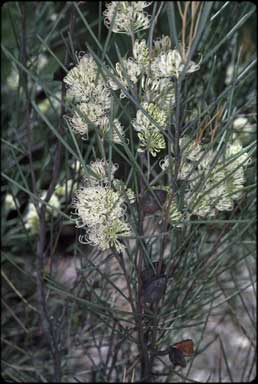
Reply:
x=180, y=9
x=145, y=361
x=17, y=292
x=197, y=21
x=194, y=8
x=184, y=28
x=46, y=321
x=177, y=128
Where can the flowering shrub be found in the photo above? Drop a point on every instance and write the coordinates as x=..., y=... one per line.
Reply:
x=212, y=180
x=128, y=169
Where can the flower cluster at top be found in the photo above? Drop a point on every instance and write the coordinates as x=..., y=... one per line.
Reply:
x=101, y=207
x=127, y=16
x=212, y=183
x=153, y=69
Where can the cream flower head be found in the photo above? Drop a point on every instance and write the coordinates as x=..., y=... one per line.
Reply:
x=113, y=131
x=101, y=212
x=151, y=139
x=171, y=63
x=78, y=124
x=127, y=16
x=89, y=91
x=31, y=219
x=128, y=71
x=141, y=52
x=54, y=202
x=100, y=172
x=9, y=202
x=212, y=184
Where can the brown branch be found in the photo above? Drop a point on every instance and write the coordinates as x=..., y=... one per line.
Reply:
x=194, y=8
x=45, y=318
x=145, y=361
x=137, y=311
x=205, y=125
x=184, y=29
x=217, y=122
x=197, y=21
x=180, y=9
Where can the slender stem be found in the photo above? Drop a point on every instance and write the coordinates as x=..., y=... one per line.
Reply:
x=46, y=321
x=137, y=311
x=121, y=262
x=193, y=13
x=24, y=59
x=132, y=38
x=184, y=28
x=180, y=9
x=197, y=21
x=177, y=128
x=148, y=165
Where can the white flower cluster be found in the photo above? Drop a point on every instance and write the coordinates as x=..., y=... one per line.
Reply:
x=100, y=172
x=151, y=139
x=9, y=202
x=211, y=184
x=112, y=132
x=244, y=131
x=88, y=90
x=171, y=63
x=101, y=209
x=31, y=218
x=155, y=66
x=141, y=53
x=161, y=92
x=232, y=71
x=175, y=215
x=128, y=73
x=127, y=16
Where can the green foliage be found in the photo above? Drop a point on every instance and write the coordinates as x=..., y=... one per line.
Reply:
x=71, y=312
